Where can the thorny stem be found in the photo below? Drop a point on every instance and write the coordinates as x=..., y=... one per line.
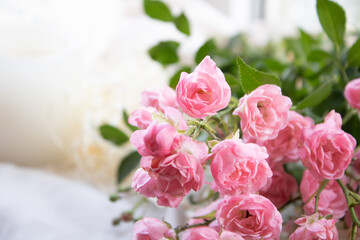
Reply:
x=205, y=127
x=321, y=187
x=349, y=202
x=353, y=232
x=314, y=194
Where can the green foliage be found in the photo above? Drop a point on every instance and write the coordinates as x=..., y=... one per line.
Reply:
x=353, y=57
x=316, y=96
x=251, y=78
x=207, y=48
x=176, y=77
x=165, y=52
x=158, y=10
x=182, y=24
x=125, y=116
x=129, y=163
x=332, y=19
x=113, y=134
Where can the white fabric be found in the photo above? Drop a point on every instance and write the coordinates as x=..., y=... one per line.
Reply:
x=41, y=206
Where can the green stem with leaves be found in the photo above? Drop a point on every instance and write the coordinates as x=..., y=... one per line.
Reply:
x=349, y=202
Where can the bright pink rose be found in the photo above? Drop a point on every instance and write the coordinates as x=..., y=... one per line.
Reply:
x=281, y=188
x=159, y=98
x=331, y=201
x=326, y=149
x=156, y=140
x=239, y=167
x=251, y=216
x=200, y=233
x=226, y=235
x=203, y=92
x=352, y=93
x=171, y=177
x=314, y=227
x=142, y=117
x=263, y=113
x=152, y=229
x=284, y=148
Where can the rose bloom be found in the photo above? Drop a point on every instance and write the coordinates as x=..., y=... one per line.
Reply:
x=281, y=188
x=263, y=113
x=239, y=167
x=159, y=98
x=284, y=148
x=352, y=93
x=156, y=140
x=147, y=185
x=203, y=92
x=142, y=117
x=326, y=149
x=331, y=201
x=152, y=229
x=251, y=216
x=172, y=177
x=311, y=227
x=200, y=233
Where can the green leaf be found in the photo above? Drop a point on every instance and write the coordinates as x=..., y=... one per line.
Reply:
x=251, y=78
x=176, y=77
x=113, y=134
x=307, y=41
x=316, y=96
x=165, y=52
x=353, y=57
x=158, y=10
x=207, y=216
x=125, y=116
x=129, y=163
x=318, y=56
x=206, y=49
x=332, y=19
x=182, y=24
x=234, y=84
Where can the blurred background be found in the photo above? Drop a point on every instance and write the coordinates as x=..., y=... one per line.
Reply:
x=66, y=67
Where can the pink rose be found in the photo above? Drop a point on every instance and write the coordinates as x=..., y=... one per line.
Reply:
x=203, y=92
x=226, y=235
x=326, y=149
x=173, y=176
x=142, y=117
x=156, y=140
x=331, y=201
x=147, y=185
x=251, y=216
x=159, y=98
x=152, y=229
x=284, y=148
x=239, y=167
x=314, y=227
x=352, y=93
x=281, y=188
x=200, y=233
x=263, y=113
x=175, y=118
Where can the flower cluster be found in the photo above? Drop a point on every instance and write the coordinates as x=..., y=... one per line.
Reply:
x=248, y=172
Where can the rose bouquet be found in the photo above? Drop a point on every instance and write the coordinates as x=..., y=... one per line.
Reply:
x=255, y=143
